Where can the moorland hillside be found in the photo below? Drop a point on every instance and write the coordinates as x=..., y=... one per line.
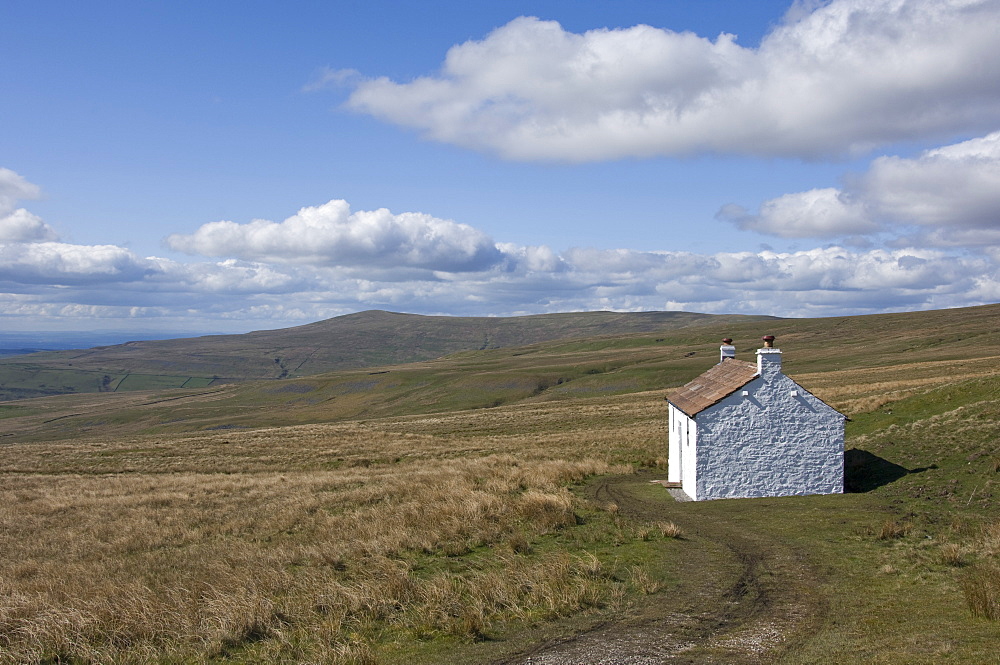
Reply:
x=357, y=340
x=495, y=506
x=898, y=352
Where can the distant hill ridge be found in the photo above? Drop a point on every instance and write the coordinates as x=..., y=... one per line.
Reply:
x=364, y=339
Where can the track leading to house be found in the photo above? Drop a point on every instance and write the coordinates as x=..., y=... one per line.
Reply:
x=743, y=598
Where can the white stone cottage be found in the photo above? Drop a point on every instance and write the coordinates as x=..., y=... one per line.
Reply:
x=747, y=430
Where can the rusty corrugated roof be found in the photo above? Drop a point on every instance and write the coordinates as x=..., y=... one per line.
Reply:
x=721, y=380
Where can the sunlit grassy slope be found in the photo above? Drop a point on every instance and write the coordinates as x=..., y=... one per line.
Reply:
x=356, y=340
x=420, y=513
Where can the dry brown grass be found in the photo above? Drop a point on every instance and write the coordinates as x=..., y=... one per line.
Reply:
x=981, y=581
x=670, y=530
x=860, y=390
x=981, y=586
x=296, y=543
x=891, y=530
x=643, y=581
x=299, y=543
x=953, y=554
x=988, y=543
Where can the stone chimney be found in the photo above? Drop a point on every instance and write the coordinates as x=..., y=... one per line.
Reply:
x=727, y=350
x=768, y=358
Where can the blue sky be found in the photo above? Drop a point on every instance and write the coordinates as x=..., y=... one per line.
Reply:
x=223, y=167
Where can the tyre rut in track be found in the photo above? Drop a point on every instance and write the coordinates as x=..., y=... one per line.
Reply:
x=761, y=599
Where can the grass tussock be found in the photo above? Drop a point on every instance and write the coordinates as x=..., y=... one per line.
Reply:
x=981, y=586
x=892, y=530
x=953, y=554
x=981, y=581
x=355, y=652
x=640, y=579
x=669, y=530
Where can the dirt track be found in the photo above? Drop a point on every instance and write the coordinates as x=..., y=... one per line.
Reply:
x=760, y=598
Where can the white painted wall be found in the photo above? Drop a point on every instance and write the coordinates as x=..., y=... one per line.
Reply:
x=769, y=443
x=689, y=458
x=674, y=444
x=682, y=451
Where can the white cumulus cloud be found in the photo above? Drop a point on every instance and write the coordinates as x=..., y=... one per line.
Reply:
x=14, y=187
x=31, y=256
x=816, y=213
x=17, y=224
x=843, y=78
x=950, y=195
x=58, y=263
x=23, y=226
x=330, y=234
x=954, y=191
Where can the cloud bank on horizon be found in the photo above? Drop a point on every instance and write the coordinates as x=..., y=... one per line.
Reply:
x=911, y=232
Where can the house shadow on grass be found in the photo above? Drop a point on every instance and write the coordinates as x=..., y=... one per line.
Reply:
x=864, y=471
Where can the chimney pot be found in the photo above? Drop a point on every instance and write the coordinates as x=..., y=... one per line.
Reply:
x=768, y=358
x=727, y=350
